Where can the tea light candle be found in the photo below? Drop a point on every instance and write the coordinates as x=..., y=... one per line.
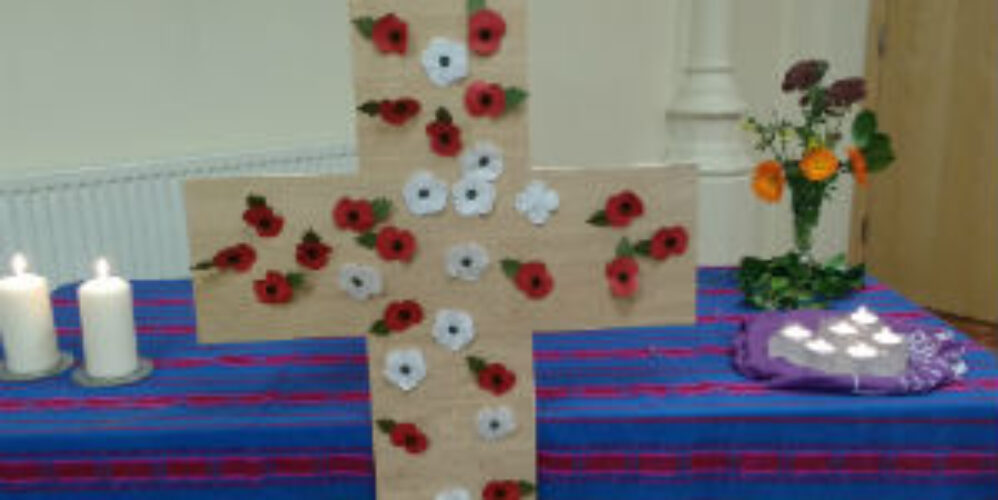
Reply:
x=109, y=344
x=29, y=340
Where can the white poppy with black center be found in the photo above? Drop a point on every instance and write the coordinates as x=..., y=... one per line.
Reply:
x=405, y=368
x=484, y=160
x=453, y=494
x=467, y=261
x=445, y=61
x=453, y=329
x=425, y=194
x=360, y=282
x=473, y=196
x=536, y=202
x=495, y=423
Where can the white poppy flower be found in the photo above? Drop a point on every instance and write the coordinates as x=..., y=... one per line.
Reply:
x=445, y=61
x=453, y=494
x=405, y=368
x=536, y=202
x=425, y=194
x=360, y=282
x=467, y=262
x=495, y=423
x=453, y=329
x=473, y=196
x=484, y=159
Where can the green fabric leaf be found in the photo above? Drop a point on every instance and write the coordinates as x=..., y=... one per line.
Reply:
x=475, y=6
x=296, y=280
x=365, y=25
x=599, y=219
x=370, y=108
x=510, y=267
x=526, y=488
x=386, y=425
x=514, y=97
x=444, y=116
x=255, y=200
x=863, y=128
x=643, y=247
x=382, y=208
x=311, y=237
x=476, y=364
x=624, y=248
x=367, y=240
x=379, y=328
x=203, y=265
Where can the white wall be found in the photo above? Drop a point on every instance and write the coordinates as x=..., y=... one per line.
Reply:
x=103, y=81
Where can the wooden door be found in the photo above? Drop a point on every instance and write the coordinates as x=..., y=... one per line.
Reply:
x=929, y=225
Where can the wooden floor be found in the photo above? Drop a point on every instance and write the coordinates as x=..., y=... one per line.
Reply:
x=985, y=333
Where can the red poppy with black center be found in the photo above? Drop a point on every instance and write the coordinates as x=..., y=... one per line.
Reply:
x=238, y=258
x=496, y=379
x=395, y=244
x=354, y=215
x=622, y=276
x=399, y=111
x=486, y=29
x=273, y=289
x=485, y=99
x=623, y=207
x=409, y=436
x=391, y=34
x=313, y=254
x=501, y=490
x=445, y=138
x=263, y=219
x=399, y=316
x=668, y=242
x=534, y=280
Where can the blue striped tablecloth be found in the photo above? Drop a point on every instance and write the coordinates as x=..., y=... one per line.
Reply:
x=636, y=413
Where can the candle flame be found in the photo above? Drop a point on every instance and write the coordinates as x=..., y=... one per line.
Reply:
x=19, y=264
x=102, y=268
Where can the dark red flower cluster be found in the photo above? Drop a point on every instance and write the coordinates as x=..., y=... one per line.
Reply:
x=804, y=75
x=276, y=288
x=239, y=258
x=402, y=315
x=445, y=137
x=507, y=490
x=492, y=377
x=404, y=435
x=486, y=29
x=354, y=215
x=622, y=277
x=846, y=92
x=393, y=243
x=261, y=217
x=668, y=242
x=311, y=252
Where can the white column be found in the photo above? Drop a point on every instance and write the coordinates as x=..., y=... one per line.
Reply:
x=704, y=128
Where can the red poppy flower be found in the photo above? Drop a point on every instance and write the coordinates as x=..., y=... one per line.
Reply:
x=669, y=241
x=486, y=28
x=238, y=258
x=313, y=254
x=399, y=316
x=273, y=289
x=502, y=490
x=263, y=219
x=496, y=379
x=354, y=215
x=622, y=276
x=445, y=138
x=390, y=34
x=399, y=111
x=485, y=99
x=409, y=436
x=396, y=244
x=534, y=280
x=622, y=208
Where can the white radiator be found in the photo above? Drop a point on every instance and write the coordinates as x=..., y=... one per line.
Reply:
x=133, y=214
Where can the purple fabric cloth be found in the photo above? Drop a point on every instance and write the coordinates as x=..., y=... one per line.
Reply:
x=935, y=358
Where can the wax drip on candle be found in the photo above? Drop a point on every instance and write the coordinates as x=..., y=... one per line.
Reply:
x=19, y=264
x=102, y=268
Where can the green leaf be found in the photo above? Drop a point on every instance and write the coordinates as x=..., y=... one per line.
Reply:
x=624, y=248
x=526, y=488
x=475, y=6
x=203, y=266
x=879, y=153
x=255, y=200
x=444, y=116
x=368, y=240
x=514, y=97
x=599, y=219
x=643, y=247
x=863, y=128
x=476, y=364
x=296, y=280
x=311, y=237
x=382, y=208
x=379, y=328
x=365, y=25
x=370, y=108
x=510, y=267
x=837, y=261
x=386, y=425
x=790, y=282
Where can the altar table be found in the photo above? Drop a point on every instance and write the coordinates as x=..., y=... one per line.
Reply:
x=636, y=413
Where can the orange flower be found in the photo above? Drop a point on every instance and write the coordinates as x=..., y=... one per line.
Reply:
x=768, y=181
x=819, y=164
x=858, y=163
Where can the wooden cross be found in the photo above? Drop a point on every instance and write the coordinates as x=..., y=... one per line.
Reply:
x=459, y=409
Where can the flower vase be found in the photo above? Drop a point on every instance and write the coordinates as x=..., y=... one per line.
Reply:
x=806, y=199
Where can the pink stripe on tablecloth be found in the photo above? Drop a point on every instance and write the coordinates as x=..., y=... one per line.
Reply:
x=71, y=303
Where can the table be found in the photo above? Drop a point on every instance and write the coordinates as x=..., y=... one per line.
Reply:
x=652, y=412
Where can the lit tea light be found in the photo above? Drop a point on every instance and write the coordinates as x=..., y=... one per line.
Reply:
x=843, y=328
x=886, y=336
x=821, y=346
x=796, y=332
x=862, y=350
x=864, y=317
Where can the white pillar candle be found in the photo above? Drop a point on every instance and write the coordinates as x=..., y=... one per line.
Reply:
x=108, y=321
x=29, y=340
